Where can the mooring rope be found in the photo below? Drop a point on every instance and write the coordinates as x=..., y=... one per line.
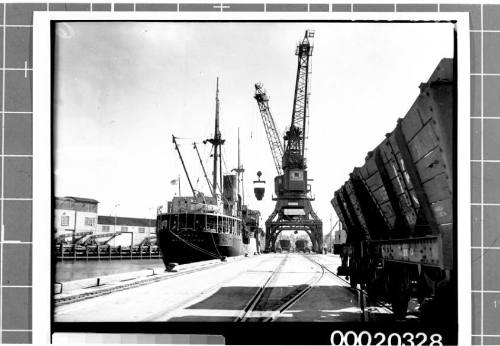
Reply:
x=206, y=252
x=215, y=245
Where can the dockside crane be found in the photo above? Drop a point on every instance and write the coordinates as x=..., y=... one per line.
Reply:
x=293, y=210
x=269, y=126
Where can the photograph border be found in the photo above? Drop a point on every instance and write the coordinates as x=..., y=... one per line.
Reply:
x=42, y=137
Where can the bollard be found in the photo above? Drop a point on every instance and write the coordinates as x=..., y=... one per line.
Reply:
x=58, y=287
x=170, y=267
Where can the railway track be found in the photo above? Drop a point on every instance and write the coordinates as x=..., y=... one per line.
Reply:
x=361, y=292
x=262, y=306
x=261, y=299
x=162, y=316
x=270, y=288
x=259, y=302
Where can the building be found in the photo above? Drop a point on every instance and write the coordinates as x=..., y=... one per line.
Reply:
x=77, y=218
x=74, y=216
x=131, y=229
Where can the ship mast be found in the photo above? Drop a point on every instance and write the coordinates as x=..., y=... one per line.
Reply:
x=216, y=141
x=239, y=172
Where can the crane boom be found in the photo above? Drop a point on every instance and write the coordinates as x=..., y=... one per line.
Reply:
x=295, y=136
x=270, y=126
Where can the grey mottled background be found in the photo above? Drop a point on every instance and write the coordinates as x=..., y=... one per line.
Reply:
x=16, y=140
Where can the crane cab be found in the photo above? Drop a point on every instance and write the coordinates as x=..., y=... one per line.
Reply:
x=259, y=187
x=293, y=181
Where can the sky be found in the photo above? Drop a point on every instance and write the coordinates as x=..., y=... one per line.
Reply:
x=122, y=89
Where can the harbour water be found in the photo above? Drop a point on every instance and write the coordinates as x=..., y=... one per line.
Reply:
x=76, y=270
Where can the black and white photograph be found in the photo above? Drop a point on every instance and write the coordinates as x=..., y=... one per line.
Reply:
x=257, y=171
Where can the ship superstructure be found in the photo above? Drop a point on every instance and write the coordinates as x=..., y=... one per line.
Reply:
x=200, y=227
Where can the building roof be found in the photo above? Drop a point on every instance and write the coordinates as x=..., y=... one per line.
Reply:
x=79, y=199
x=125, y=221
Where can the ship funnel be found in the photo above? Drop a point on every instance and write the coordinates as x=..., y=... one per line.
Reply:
x=259, y=187
x=230, y=186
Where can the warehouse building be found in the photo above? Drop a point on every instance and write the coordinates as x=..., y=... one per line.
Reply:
x=74, y=216
x=77, y=217
x=137, y=229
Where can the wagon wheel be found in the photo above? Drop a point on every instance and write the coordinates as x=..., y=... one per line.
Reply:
x=353, y=273
x=441, y=304
x=376, y=283
x=400, y=304
x=399, y=286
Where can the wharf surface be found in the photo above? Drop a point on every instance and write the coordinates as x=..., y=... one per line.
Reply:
x=268, y=287
x=76, y=270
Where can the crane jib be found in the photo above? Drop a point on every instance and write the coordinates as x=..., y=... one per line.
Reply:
x=292, y=153
x=295, y=146
x=270, y=127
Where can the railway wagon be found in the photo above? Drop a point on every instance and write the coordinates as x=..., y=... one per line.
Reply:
x=397, y=209
x=285, y=244
x=301, y=245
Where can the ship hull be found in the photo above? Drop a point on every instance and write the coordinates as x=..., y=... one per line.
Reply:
x=194, y=246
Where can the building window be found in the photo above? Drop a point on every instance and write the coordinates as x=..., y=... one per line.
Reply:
x=65, y=220
x=124, y=229
x=89, y=221
x=142, y=230
x=105, y=228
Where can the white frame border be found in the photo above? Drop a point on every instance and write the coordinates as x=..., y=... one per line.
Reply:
x=41, y=315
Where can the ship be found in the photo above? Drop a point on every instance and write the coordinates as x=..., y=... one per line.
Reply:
x=201, y=227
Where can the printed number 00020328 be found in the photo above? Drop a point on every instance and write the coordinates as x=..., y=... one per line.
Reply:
x=339, y=338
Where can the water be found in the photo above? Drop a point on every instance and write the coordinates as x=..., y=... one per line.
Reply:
x=76, y=270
